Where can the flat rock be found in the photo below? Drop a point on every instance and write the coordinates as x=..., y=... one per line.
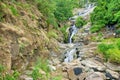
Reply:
x=113, y=66
x=95, y=76
x=91, y=63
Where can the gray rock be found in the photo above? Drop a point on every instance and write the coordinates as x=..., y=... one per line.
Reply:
x=91, y=63
x=52, y=68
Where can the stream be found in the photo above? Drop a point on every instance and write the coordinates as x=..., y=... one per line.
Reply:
x=79, y=61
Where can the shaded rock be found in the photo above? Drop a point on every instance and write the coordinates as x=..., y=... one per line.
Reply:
x=108, y=76
x=77, y=71
x=95, y=76
x=114, y=74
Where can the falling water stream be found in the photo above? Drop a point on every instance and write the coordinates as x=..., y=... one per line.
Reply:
x=69, y=55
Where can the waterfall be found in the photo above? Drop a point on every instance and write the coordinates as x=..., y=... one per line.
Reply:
x=69, y=55
x=72, y=32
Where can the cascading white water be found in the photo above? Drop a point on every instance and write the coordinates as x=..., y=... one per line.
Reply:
x=69, y=55
x=72, y=33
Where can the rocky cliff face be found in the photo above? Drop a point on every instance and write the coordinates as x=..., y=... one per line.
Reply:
x=23, y=35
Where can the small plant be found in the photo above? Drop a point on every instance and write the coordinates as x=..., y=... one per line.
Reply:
x=95, y=28
x=1, y=68
x=117, y=33
x=35, y=74
x=103, y=48
x=43, y=65
x=14, y=10
x=65, y=34
x=13, y=76
x=80, y=22
x=8, y=76
x=118, y=43
x=57, y=78
x=52, y=34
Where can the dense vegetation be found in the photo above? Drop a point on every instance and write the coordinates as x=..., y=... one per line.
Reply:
x=57, y=10
x=111, y=51
x=105, y=14
x=80, y=22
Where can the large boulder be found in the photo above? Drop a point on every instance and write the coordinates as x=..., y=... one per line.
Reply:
x=91, y=63
x=76, y=73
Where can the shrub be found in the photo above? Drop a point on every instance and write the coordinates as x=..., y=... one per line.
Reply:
x=114, y=55
x=103, y=48
x=118, y=43
x=40, y=64
x=80, y=22
x=14, y=10
x=8, y=76
x=95, y=28
x=63, y=10
x=57, y=78
x=111, y=52
x=52, y=34
x=65, y=34
x=107, y=12
x=13, y=76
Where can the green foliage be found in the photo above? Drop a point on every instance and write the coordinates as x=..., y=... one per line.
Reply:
x=65, y=34
x=1, y=68
x=14, y=10
x=57, y=78
x=80, y=22
x=2, y=6
x=41, y=64
x=8, y=76
x=104, y=47
x=111, y=52
x=52, y=34
x=106, y=13
x=14, y=76
x=47, y=7
x=117, y=17
x=118, y=43
x=35, y=74
x=95, y=28
x=63, y=9
x=114, y=55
